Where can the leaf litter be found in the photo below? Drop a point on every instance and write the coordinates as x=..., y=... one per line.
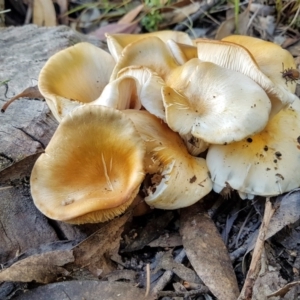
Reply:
x=114, y=257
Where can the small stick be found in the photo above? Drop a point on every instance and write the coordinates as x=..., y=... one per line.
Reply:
x=246, y=293
x=148, y=280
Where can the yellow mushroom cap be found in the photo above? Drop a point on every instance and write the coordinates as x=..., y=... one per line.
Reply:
x=238, y=58
x=267, y=164
x=271, y=59
x=74, y=76
x=117, y=42
x=177, y=179
x=214, y=104
x=150, y=52
x=92, y=168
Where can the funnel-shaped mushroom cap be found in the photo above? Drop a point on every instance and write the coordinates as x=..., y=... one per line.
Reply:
x=235, y=57
x=266, y=164
x=271, y=59
x=122, y=93
x=92, y=168
x=150, y=52
x=177, y=179
x=117, y=42
x=214, y=104
x=74, y=76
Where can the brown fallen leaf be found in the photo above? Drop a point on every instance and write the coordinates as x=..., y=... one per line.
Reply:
x=131, y=15
x=228, y=27
x=281, y=292
x=31, y=92
x=95, y=251
x=86, y=289
x=179, y=14
x=207, y=252
x=44, y=13
x=42, y=268
x=114, y=28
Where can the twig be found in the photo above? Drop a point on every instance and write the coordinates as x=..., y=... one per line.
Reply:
x=254, y=268
x=148, y=280
x=202, y=11
x=201, y=291
x=167, y=276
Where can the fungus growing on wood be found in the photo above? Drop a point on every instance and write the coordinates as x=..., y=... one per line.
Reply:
x=74, y=76
x=175, y=178
x=117, y=42
x=92, y=168
x=266, y=164
x=214, y=104
x=236, y=57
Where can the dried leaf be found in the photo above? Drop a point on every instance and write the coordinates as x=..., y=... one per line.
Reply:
x=228, y=27
x=44, y=13
x=87, y=289
x=167, y=241
x=131, y=15
x=42, y=268
x=281, y=292
x=97, y=248
x=63, y=8
x=178, y=15
x=151, y=231
x=114, y=28
x=31, y=92
x=287, y=213
x=207, y=252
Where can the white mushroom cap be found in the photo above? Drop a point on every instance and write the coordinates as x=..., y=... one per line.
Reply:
x=177, y=179
x=235, y=57
x=92, y=168
x=74, y=76
x=214, y=104
x=117, y=42
x=267, y=164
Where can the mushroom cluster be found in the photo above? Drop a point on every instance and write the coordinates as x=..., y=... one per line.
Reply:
x=168, y=118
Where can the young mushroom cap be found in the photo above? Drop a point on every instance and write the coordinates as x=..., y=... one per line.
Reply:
x=236, y=57
x=182, y=52
x=267, y=164
x=176, y=179
x=214, y=104
x=150, y=52
x=117, y=42
x=92, y=168
x=74, y=76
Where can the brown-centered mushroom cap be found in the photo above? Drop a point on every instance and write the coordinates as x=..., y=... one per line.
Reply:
x=92, y=168
x=267, y=164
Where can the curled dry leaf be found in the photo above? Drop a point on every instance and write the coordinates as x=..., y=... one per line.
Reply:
x=207, y=252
